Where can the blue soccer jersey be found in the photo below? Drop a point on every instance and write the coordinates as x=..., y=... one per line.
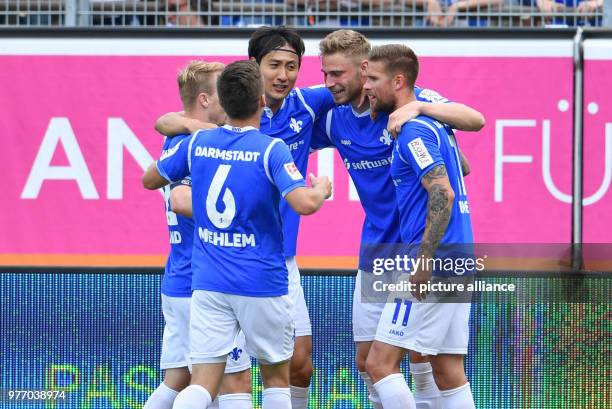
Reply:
x=238, y=177
x=422, y=145
x=293, y=123
x=177, y=275
x=366, y=148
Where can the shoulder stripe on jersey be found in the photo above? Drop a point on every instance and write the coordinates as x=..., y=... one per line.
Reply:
x=189, y=149
x=328, y=121
x=399, y=155
x=308, y=108
x=430, y=127
x=267, y=156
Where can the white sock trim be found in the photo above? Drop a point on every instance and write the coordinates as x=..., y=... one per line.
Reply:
x=420, y=368
x=235, y=396
x=167, y=390
x=450, y=392
x=299, y=392
x=389, y=378
x=277, y=391
x=372, y=393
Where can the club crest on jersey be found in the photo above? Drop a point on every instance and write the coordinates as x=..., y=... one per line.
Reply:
x=295, y=125
x=235, y=354
x=386, y=138
x=293, y=171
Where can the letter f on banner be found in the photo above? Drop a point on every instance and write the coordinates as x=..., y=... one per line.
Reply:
x=500, y=158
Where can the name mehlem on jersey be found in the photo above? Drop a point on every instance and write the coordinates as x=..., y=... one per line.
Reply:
x=226, y=239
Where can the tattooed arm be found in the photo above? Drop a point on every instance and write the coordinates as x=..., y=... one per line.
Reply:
x=439, y=207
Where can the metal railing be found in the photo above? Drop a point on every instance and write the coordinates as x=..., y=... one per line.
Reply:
x=303, y=13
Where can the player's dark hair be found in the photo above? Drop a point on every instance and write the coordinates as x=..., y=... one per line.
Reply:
x=240, y=88
x=267, y=39
x=398, y=59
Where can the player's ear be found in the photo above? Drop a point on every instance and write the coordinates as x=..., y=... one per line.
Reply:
x=262, y=101
x=253, y=59
x=364, y=66
x=203, y=100
x=398, y=82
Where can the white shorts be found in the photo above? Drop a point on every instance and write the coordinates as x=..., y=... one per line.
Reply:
x=301, y=319
x=366, y=315
x=426, y=327
x=216, y=319
x=175, y=342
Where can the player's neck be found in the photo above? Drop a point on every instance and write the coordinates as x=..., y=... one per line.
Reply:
x=253, y=121
x=403, y=97
x=199, y=114
x=361, y=104
x=274, y=104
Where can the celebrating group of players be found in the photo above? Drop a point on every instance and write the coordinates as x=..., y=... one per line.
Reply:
x=234, y=194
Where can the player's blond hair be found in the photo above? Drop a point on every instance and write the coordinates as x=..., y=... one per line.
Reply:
x=196, y=78
x=347, y=42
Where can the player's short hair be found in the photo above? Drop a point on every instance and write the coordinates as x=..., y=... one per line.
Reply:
x=398, y=59
x=196, y=78
x=348, y=42
x=240, y=87
x=267, y=39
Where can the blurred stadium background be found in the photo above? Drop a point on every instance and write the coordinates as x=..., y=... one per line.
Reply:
x=82, y=245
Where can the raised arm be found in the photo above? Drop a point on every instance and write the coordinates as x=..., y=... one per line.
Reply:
x=175, y=123
x=459, y=116
x=307, y=200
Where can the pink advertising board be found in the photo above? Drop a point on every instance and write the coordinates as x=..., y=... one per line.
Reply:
x=78, y=131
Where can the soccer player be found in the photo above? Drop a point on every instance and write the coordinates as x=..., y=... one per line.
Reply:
x=433, y=207
x=240, y=278
x=366, y=148
x=197, y=88
x=289, y=115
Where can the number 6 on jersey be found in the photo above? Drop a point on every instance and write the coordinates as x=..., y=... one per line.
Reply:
x=224, y=219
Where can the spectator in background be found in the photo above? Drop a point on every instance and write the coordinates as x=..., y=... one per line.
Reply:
x=185, y=13
x=438, y=18
x=590, y=6
x=551, y=7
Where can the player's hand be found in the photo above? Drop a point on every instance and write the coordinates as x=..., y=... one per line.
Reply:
x=420, y=277
x=402, y=115
x=323, y=183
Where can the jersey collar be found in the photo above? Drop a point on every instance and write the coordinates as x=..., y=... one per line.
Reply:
x=236, y=129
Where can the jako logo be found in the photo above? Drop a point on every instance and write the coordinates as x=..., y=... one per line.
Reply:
x=346, y=142
x=295, y=125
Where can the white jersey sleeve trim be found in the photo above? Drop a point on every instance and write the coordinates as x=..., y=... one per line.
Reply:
x=434, y=130
x=189, y=148
x=267, y=157
x=308, y=108
x=399, y=155
x=328, y=122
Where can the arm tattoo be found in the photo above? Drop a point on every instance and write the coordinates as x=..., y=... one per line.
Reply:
x=438, y=210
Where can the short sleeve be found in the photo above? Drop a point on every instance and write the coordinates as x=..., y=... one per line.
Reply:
x=321, y=133
x=428, y=95
x=183, y=182
x=281, y=169
x=173, y=165
x=418, y=146
x=319, y=99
